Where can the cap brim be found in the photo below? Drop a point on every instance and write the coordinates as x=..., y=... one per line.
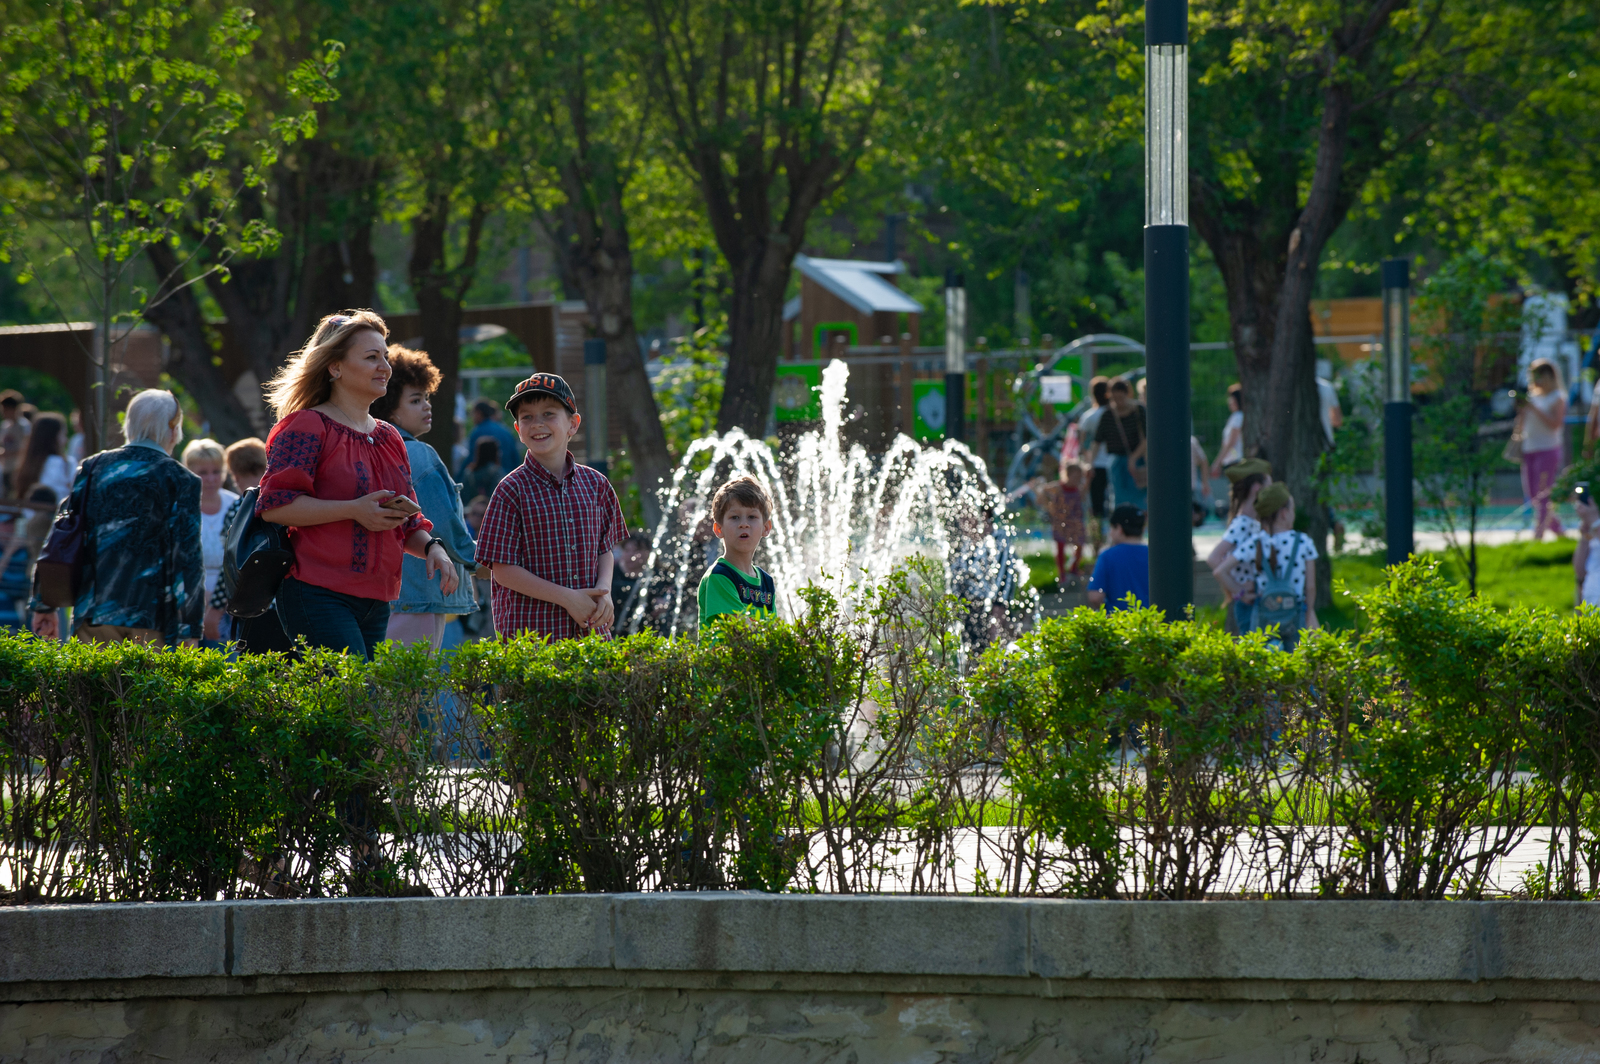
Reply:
x=515, y=399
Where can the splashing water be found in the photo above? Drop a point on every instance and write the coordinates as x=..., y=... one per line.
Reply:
x=842, y=515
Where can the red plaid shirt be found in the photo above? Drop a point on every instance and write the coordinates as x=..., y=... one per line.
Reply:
x=555, y=529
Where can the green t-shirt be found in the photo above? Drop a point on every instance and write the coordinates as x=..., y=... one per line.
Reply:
x=725, y=589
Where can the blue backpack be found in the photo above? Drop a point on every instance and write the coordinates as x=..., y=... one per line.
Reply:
x=1279, y=605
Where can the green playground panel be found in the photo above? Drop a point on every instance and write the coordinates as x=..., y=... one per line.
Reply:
x=796, y=394
x=927, y=398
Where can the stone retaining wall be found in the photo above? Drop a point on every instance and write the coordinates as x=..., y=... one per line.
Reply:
x=749, y=977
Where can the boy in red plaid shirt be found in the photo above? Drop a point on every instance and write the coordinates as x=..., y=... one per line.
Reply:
x=550, y=526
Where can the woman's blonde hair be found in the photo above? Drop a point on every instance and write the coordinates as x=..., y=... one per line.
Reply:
x=202, y=451
x=1539, y=365
x=304, y=381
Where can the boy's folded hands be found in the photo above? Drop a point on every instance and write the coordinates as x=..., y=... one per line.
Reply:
x=590, y=607
x=604, y=611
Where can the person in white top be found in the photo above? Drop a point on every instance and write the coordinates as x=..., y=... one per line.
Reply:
x=1233, y=567
x=1586, y=558
x=1232, y=432
x=1098, y=458
x=43, y=477
x=43, y=463
x=1277, y=547
x=1541, y=421
x=204, y=458
x=76, y=444
x=1199, y=481
x=1332, y=413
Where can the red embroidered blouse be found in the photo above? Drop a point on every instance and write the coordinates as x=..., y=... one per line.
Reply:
x=309, y=453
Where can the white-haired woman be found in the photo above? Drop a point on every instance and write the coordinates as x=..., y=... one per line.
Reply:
x=205, y=459
x=336, y=476
x=143, y=577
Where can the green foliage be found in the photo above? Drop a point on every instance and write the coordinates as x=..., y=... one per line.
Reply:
x=1352, y=471
x=500, y=352
x=1436, y=795
x=1467, y=346
x=689, y=388
x=1109, y=756
x=114, y=120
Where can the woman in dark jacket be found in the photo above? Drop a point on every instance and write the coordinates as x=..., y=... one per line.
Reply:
x=143, y=577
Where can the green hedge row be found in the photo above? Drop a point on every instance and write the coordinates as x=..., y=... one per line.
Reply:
x=855, y=750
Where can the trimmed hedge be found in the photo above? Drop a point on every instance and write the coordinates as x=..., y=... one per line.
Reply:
x=1099, y=756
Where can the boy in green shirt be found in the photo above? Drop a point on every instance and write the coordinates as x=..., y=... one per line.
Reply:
x=741, y=514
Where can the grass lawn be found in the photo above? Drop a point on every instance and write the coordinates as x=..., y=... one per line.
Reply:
x=1515, y=574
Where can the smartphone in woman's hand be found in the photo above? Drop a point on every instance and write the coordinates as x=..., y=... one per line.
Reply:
x=402, y=503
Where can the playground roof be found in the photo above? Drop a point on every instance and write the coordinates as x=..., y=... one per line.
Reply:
x=859, y=282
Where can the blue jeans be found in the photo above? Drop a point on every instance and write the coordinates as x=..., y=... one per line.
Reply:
x=332, y=619
x=1123, y=490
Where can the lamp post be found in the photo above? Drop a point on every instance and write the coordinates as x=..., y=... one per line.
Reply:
x=1166, y=302
x=955, y=356
x=1397, y=518
x=594, y=403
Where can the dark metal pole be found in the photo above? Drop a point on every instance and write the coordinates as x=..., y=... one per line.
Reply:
x=1398, y=510
x=1166, y=304
x=594, y=403
x=955, y=356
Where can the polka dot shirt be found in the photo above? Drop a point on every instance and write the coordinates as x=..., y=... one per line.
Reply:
x=1242, y=532
x=1275, y=552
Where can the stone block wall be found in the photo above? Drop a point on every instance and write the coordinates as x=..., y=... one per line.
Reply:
x=749, y=977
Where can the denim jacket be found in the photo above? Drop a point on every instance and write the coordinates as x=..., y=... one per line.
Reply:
x=142, y=564
x=440, y=499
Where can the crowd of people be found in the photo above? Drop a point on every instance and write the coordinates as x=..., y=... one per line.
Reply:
x=1099, y=494
x=388, y=542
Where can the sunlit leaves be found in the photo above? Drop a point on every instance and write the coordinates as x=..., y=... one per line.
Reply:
x=117, y=115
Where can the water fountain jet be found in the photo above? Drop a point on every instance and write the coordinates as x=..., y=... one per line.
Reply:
x=841, y=515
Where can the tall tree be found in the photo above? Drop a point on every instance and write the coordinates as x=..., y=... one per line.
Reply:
x=770, y=106
x=1296, y=111
x=111, y=124
x=591, y=135
x=448, y=65
x=322, y=196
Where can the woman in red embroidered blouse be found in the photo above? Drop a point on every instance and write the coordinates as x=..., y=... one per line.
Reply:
x=336, y=476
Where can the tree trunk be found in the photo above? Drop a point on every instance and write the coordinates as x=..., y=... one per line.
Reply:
x=590, y=233
x=325, y=211
x=439, y=289
x=1270, y=269
x=755, y=334
x=191, y=358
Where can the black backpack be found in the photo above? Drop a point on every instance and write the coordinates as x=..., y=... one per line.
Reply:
x=256, y=557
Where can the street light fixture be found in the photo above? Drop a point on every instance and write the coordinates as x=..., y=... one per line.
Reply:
x=1166, y=303
x=1397, y=518
x=955, y=356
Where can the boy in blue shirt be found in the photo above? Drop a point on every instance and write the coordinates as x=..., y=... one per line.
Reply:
x=1123, y=567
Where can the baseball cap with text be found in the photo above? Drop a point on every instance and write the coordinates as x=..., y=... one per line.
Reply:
x=549, y=384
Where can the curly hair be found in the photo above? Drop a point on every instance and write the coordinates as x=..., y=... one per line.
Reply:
x=408, y=368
